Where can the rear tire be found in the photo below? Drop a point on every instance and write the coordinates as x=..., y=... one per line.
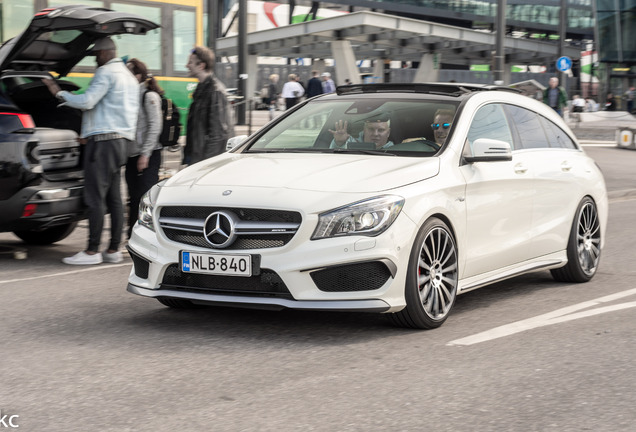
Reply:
x=584, y=245
x=46, y=236
x=176, y=303
x=432, y=277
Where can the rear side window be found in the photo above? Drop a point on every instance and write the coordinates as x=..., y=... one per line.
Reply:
x=556, y=136
x=529, y=128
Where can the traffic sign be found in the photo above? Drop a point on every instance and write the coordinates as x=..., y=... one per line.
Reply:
x=564, y=64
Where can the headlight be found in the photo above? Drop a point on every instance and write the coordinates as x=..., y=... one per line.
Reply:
x=369, y=217
x=147, y=206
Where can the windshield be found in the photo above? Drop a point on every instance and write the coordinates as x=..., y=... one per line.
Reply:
x=372, y=126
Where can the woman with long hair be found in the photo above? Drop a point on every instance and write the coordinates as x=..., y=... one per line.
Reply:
x=142, y=169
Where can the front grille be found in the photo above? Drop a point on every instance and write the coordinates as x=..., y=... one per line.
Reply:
x=366, y=276
x=254, y=242
x=248, y=214
x=140, y=265
x=267, y=284
x=256, y=228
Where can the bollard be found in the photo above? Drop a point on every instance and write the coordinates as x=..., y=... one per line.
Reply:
x=625, y=138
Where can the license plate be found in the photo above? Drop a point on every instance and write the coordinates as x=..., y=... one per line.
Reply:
x=217, y=264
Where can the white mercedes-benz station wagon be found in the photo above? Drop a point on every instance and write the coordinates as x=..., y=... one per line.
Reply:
x=390, y=198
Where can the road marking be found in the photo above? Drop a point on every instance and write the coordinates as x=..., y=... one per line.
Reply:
x=555, y=317
x=84, y=270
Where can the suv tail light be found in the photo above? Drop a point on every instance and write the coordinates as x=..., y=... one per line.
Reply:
x=16, y=121
x=29, y=210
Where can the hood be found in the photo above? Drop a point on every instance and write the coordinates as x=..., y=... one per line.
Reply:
x=59, y=37
x=314, y=172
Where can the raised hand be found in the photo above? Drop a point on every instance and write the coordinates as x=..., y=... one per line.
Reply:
x=340, y=134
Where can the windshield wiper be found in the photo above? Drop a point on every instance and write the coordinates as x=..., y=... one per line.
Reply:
x=362, y=151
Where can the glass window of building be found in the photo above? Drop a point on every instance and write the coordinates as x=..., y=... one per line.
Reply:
x=16, y=15
x=184, y=38
x=146, y=48
x=616, y=35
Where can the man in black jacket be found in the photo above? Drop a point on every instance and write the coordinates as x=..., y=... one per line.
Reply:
x=209, y=118
x=314, y=85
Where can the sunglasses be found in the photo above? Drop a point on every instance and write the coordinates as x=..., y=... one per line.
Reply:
x=436, y=126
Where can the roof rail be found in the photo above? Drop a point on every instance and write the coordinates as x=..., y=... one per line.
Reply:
x=451, y=89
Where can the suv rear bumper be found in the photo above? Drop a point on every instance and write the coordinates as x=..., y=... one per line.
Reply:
x=55, y=204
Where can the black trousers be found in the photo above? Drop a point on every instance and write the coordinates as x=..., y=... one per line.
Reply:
x=139, y=183
x=102, y=189
x=290, y=102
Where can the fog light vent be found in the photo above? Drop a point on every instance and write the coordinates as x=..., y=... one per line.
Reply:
x=367, y=276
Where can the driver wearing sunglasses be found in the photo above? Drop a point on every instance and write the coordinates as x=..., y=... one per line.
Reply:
x=441, y=125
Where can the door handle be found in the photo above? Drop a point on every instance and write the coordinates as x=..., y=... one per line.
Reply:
x=520, y=169
x=566, y=166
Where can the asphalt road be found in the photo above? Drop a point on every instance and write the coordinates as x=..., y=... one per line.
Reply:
x=79, y=353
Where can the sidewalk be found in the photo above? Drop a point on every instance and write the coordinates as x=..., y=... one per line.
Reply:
x=600, y=125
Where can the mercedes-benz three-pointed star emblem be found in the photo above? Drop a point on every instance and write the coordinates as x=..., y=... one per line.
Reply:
x=219, y=229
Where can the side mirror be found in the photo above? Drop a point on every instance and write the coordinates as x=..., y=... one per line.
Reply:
x=235, y=142
x=490, y=150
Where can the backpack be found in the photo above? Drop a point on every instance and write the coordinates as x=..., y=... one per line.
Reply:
x=171, y=125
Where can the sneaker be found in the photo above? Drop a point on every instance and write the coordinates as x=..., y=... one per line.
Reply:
x=82, y=258
x=114, y=258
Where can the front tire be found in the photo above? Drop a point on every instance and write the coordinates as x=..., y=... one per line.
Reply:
x=432, y=278
x=584, y=245
x=46, y=236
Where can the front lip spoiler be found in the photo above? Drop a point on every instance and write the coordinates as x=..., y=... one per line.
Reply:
x=372, y=305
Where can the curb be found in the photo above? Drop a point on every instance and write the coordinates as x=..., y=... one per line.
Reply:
x=599, y=143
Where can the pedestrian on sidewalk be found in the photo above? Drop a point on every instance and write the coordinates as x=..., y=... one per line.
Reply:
x=110, y=105
x=314, y=85
x=142, y=168
x=555, y=96
x=328, y=86
x=292, y=91
x=578, y=104
x=209, y=117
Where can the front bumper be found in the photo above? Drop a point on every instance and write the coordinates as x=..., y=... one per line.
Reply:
x=264, y=303
x=345, y=273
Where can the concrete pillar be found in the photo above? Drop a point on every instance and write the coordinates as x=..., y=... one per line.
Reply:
x=428, y=71
x=507, y=74
x=378, y=70
x=252, y=75
x=345, y=61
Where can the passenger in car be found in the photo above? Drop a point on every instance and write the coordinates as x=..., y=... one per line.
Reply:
x=376, y=130
x=442, y=122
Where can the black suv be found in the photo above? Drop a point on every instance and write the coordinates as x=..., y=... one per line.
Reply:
x=41, y=177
